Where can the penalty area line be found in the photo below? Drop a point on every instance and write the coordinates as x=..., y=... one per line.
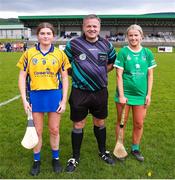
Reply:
x=10, y=100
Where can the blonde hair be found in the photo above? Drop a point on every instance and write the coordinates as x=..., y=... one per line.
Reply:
x=135, y=27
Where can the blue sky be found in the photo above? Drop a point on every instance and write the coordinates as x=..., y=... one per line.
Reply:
x=15, y=8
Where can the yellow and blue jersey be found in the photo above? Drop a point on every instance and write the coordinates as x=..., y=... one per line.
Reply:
x=44, y=69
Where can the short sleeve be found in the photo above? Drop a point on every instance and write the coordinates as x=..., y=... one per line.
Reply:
x=119, y=62
x=23, y=62
x=112, y=54
x=66, y=64
x=150, y=58
x=68, y=51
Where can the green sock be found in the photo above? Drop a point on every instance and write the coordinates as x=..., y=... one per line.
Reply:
x=135, y=147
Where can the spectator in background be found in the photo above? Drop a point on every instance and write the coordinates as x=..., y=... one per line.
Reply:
x=2, y=47
x=25, y=46
x=8, y=47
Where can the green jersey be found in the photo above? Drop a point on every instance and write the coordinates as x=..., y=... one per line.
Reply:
x=135, y=67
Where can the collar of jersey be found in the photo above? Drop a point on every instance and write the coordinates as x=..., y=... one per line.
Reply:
x=135, y=51
x=44, y=54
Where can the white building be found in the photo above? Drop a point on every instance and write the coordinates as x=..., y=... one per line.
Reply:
x=14, y=32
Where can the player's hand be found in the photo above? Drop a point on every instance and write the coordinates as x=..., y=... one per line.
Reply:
x=147, y=101
x=123, y=100
x=26, y=106
x=61, y=108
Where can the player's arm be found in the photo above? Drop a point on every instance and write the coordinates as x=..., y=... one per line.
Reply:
x=22, y=89
x=110, y=67
x=68, y=53
x=122, y=98
x=112, y=55
x=65, y=83
x=150, y=85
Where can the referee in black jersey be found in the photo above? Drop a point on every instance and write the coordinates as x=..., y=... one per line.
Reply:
x=91, y=58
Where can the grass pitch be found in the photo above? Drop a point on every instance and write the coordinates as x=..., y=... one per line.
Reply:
x=157, y=143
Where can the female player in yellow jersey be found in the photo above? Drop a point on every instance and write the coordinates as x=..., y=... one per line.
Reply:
x=44, y=64
x=135, y=80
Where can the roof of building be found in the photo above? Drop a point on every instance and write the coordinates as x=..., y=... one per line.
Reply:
x=19, y=26
x=169, y=15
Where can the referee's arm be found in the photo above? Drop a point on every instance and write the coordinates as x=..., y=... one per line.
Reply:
x=110, y=67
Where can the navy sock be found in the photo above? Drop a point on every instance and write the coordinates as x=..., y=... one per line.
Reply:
x=55, y=154
x=36, y=156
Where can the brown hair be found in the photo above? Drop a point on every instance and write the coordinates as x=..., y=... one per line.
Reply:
x=91, y=16
x=45, y=25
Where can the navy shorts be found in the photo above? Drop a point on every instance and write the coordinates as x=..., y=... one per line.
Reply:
x=45, y=100
x=84, y=102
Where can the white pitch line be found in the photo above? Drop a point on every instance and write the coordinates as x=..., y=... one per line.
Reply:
x=10, y=100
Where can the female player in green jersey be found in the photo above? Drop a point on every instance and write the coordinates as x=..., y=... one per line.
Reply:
x=134, y=66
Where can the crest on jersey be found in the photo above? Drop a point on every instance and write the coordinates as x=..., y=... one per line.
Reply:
x=144, y=58
x=43, y=61
x=137, y=66
x=82, y=56
x=53, y=61
x=34, y=61
x=128, y=57
x=47, y=69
